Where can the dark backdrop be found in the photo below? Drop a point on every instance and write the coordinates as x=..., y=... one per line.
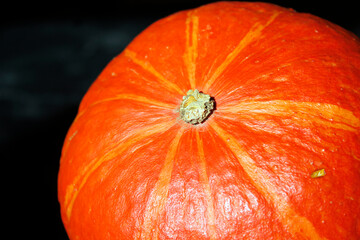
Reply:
x=50, y=53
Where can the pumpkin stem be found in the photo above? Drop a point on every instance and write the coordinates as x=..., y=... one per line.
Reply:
x=196, y=107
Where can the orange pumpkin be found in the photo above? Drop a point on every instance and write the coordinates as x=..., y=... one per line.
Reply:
x=234, y=120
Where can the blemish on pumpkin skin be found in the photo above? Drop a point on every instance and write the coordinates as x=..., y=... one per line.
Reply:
x=280, y=79
x=318, y=173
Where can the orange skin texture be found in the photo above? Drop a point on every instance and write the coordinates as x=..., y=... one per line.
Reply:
x=287, y=92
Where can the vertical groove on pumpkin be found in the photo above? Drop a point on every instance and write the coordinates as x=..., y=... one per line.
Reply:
x=253, y=34
x=324, y=114
x=159, y=195
x=205, y=182
x=191, y=32
x=80, y=180
x=293, y=223
x=149, y=68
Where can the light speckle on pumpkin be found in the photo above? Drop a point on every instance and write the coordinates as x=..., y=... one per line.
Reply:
x=318, y=173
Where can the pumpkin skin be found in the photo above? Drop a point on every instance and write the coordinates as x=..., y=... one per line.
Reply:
x=287, y=93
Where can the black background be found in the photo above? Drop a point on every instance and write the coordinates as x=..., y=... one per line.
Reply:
x=50, y=53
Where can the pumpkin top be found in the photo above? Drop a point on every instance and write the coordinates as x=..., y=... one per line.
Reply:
x=277, y=159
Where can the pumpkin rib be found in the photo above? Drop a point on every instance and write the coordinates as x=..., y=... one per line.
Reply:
x=254, y=33
x=191, y=51
x=170, y=86
x=204, y=179
x=140, y=99
x=313, y=145
x=81, y=179
x=158, y=197
x=292, y=222
x=132, y=97
x=324, y=114
x=266, y=75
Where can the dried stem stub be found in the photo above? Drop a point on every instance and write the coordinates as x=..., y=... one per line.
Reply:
x=196, y=107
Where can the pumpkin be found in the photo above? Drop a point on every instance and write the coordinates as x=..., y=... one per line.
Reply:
x=233, y=120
